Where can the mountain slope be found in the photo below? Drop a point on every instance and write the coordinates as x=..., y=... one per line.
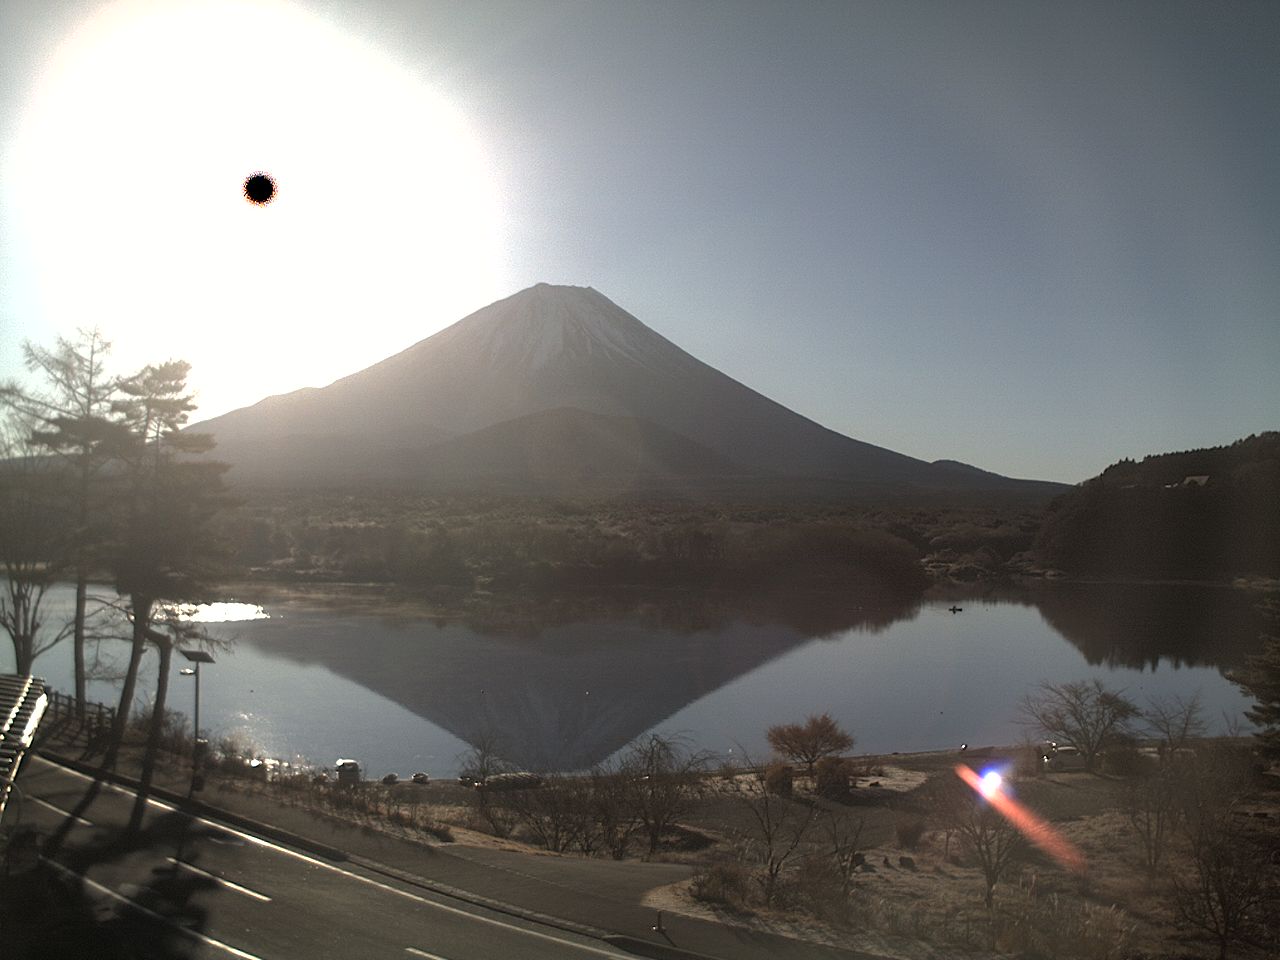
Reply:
x=554, y=449
x=554, y=348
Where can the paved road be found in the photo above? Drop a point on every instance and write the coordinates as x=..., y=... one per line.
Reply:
x=192, y=887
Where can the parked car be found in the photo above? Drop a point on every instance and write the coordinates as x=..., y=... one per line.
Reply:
x=1064, y=758
x=511, y=781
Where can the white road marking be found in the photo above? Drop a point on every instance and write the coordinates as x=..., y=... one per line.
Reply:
x=267, y=845
x=422, y=953
x=195, y=935
x=262, y=897
x=66, y=813
x=105, y=784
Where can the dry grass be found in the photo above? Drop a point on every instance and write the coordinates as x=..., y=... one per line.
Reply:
x=1114, y=910
x=921, y=908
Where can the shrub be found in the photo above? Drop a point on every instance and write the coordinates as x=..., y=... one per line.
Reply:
x=779, y=780
x=832, y=779
x=909, y=830
x=722, y=883
x=1126, y=761
x=814, y=889
x=175, y=736
x=236, y=747
x=1053, y=927
x=441, y=831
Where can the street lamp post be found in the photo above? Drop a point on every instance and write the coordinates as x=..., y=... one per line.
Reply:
x=197, y=657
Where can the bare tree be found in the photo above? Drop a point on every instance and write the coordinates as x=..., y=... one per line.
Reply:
x=584, y=825
x=779, y=826
x=556, y=813
x=1175, y=721
x=614, y=805
x=1152, y=804
x=819, y=736
x=666, y=777
x=485, y=760
x=843, y=837
x=1230, y=881
x=30, y=533
x=993, y=840
x=1082, y=714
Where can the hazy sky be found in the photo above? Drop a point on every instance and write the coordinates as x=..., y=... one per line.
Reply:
x=1034, y=237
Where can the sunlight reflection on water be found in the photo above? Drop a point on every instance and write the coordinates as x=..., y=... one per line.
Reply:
x=219, y=612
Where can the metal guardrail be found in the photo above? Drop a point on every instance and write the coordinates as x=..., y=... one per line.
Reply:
x=96, y=722
x=23, y=702
x=98, y=717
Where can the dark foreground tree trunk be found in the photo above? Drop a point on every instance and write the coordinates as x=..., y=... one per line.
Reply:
x=141, y=624
x=23, y=660
x=153, y=735
x=81, y=591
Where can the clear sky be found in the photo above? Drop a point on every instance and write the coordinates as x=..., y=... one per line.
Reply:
x=1035, y=237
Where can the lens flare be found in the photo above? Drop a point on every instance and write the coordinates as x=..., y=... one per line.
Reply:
x=1027, y=823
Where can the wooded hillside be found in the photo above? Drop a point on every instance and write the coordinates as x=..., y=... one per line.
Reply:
x=1198, y=514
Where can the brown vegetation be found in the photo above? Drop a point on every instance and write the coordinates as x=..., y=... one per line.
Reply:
x=1181, y=851
x=497, y=543
x=818, y=737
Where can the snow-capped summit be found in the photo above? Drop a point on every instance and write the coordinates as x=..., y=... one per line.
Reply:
x=547, y=324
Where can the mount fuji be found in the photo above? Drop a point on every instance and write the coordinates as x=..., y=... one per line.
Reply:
x=557, y=389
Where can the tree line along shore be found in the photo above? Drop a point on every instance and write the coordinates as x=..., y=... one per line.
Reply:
x=1204, y=515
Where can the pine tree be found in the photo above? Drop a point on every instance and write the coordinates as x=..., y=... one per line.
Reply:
x=69, y=415
x=164, y=548
x=1261, y=679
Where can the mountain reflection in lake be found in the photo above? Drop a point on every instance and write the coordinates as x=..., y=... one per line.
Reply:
x=333, y=674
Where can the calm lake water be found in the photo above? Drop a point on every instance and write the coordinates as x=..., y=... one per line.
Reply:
x=349, y=673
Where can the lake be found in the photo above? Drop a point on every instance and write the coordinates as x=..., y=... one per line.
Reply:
x=348, y=672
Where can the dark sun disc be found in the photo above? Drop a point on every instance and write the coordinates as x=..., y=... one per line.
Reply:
x=259, y=188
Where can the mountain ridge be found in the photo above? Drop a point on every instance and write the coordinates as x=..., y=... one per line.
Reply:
x=551, y=348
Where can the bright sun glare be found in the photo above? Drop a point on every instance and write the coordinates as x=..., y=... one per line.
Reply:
x=132, y=160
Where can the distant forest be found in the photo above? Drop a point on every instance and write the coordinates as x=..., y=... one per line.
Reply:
x=1197, y=515
x=514, y=543
x=1206, y=514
